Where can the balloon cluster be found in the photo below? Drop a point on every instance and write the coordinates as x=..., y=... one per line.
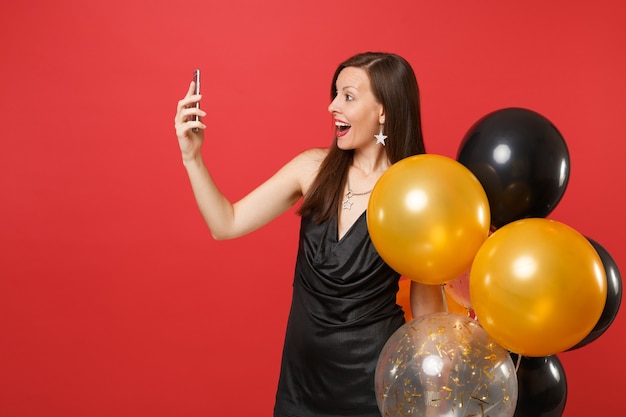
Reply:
x=477, y=225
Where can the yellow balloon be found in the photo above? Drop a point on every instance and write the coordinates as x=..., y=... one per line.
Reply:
x=538, y=287
x=427, y=217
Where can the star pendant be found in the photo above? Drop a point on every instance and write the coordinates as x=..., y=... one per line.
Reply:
x=380, y=138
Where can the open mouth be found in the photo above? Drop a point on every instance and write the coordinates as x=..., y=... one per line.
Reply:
x=341, y=128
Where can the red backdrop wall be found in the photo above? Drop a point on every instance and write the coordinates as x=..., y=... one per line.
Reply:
x=114, y=299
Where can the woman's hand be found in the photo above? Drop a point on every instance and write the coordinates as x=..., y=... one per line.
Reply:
x=190, y=133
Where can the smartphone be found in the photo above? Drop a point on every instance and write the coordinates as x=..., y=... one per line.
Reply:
x=196, y=80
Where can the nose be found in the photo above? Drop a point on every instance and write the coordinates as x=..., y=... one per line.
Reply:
x=333, y=107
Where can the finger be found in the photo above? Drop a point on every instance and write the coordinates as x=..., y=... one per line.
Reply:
x=187, y=113
x=184, y=129
x=190, y=97
x=184, y=112
x=198, y=127
x=188, y=101
x=191, y=91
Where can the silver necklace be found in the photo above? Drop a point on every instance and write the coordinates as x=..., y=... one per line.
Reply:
x=347, y=203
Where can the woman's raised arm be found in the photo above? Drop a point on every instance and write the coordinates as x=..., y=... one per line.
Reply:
x=272, y=198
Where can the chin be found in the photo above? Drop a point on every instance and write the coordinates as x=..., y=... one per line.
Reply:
x=341, y=144
x=344, y=147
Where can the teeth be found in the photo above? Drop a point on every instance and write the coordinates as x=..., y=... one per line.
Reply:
x=341, y=124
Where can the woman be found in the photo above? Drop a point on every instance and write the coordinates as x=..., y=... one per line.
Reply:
x=344, y=306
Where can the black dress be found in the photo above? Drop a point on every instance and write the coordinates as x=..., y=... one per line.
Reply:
x=343, y=311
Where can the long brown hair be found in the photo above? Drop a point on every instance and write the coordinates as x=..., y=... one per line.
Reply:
x=394, y=85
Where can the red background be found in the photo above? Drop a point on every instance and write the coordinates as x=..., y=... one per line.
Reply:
x=114, y=299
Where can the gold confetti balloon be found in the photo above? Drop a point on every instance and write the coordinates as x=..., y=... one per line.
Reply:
x=444, y=365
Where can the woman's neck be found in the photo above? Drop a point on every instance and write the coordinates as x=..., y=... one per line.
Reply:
x=370, y=161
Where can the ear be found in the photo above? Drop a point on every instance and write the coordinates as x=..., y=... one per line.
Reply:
x=381, y=115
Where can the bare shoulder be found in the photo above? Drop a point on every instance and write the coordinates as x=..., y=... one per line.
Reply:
x=309, y=160
x=314, y=155
x=306, y=166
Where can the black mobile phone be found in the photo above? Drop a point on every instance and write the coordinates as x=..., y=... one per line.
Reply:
x=196, y=90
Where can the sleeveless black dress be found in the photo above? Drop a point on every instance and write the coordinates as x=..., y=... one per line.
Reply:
x=343, y=311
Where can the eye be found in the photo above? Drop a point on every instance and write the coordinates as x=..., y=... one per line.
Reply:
x=349, y=97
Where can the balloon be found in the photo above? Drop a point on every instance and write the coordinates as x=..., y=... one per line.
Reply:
x=613, y=296
x=444, y=364
x=403, y=299
x=537, y=286
x=458, y=289
x=452, y=306
x=542, y=387
x=521, y=160
x=427, y=216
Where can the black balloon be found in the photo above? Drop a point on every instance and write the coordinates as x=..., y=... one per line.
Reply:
x=613, y=296
x=542, y=387
x=521, y=160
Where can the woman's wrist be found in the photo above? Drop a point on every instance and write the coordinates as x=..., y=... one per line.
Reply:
x=193, y=161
